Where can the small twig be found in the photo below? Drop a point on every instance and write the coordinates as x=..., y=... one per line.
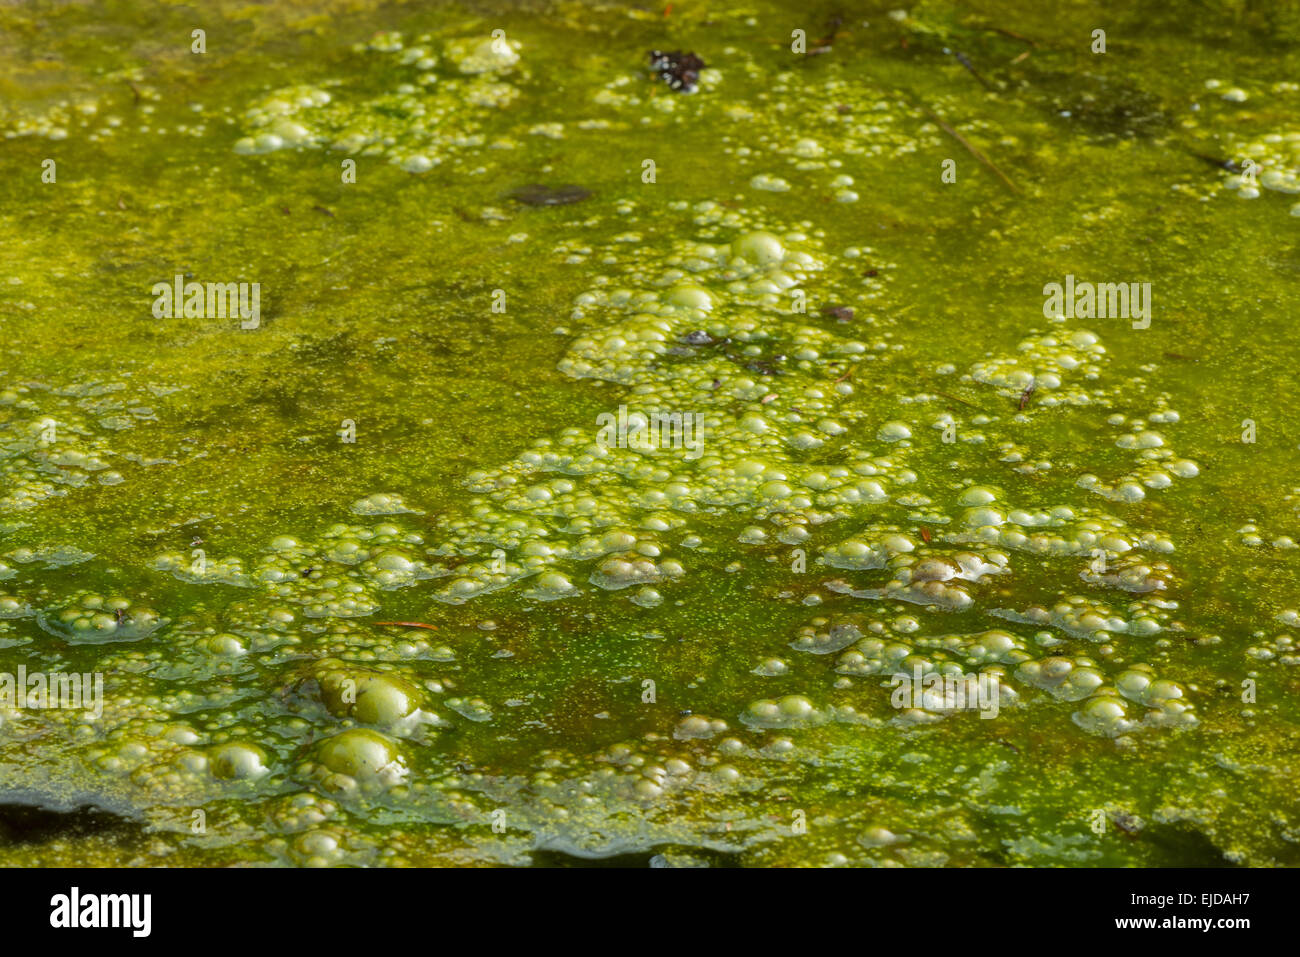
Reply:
x=971, y=148
x=1014, y=36
x=407, y=624
x=956, y=399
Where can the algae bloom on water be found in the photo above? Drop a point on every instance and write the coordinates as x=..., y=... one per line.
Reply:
x=597, y=432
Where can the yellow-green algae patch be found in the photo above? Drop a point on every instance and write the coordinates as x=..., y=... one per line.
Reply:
x=481, y=633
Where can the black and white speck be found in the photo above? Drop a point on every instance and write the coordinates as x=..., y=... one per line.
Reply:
x=679, y=70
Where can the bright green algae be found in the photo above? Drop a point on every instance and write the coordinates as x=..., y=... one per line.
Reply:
x=252, y=682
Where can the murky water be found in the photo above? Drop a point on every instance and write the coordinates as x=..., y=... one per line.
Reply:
x=383, y=572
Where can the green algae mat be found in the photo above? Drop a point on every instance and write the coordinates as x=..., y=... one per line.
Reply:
x=697, y=434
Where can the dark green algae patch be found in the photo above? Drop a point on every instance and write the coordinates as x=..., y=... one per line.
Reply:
x=178, y=510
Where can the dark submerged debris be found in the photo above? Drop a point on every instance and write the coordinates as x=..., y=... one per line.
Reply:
x=1128, y=824
x=679, y=70
x=536, y=194
x=1105, y=106
x=698, y=337
x=840, y=313
x=1229, y=164
x=825, y=43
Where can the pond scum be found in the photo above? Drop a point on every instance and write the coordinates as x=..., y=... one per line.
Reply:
x=693, y=434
